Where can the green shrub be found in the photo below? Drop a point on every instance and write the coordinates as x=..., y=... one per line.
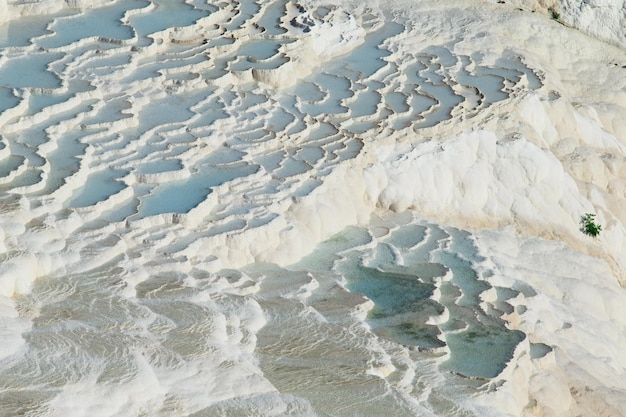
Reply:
x=555, y=15
x=590, y=227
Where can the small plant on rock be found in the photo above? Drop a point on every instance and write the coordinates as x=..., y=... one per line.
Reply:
x=590, y=227
x=555, y=15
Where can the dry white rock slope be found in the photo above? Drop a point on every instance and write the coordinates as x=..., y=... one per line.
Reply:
x=172, y=172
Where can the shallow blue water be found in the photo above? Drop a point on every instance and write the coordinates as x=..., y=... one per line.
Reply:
x=30, y=71
x=168, y=14
x=20, y=32
x=183, y=195
x=7, y=99
x=98, y=187
x=399, y=273
x=102, y=22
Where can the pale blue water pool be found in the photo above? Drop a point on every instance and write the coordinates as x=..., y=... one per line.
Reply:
x=157, y=167
x=367, y=59
x=21, y=32
x=98, y=186
x=400, y=273
x=10, y=164
x=101, y=22
x=7, y=99
x=270, y=20
x=183, y=195
x=38, y=102
x=30, y=71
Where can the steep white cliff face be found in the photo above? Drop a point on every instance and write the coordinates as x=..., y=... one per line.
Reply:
x=602, y=19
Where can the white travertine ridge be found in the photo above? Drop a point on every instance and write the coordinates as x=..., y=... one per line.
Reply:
x=284, y=208
x=602, y=19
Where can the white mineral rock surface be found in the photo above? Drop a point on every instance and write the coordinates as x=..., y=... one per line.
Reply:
x=312, y=208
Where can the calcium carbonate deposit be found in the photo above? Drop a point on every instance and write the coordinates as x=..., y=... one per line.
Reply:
x=312, y=208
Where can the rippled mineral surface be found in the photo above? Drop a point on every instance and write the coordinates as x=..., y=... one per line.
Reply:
x=281, y=208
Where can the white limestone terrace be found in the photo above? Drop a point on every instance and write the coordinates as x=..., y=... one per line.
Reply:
x=161, y=137
x=174, y=133
x=602, y=19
